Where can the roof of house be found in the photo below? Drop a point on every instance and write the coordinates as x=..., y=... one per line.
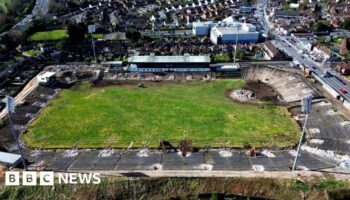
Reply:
x=345, y=66
x=283, y=13
x=271, y=48
x=324, y=50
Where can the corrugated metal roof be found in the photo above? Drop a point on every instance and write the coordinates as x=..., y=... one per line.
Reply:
x=169, y=59
x=9, y=158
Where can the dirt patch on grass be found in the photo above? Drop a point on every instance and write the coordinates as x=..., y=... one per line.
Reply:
x=264, y=95
x=264, y=92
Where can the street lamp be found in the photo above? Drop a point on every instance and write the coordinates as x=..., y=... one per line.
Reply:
x=91, y=30
x=11, y=107
x=306, y=106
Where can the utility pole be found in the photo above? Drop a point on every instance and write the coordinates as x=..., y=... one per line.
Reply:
x=91, y=30
x=306, y=106
x=11, y=107
x=234, y=58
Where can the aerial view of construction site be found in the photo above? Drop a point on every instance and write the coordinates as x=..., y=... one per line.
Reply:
x=196, y=99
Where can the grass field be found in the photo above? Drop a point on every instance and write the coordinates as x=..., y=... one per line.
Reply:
x=49, y=35
x=56, y=35
x=199, y=111
x=4, y=4
x=222, y=57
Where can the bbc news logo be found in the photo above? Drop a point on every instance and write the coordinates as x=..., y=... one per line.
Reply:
x=47, y=178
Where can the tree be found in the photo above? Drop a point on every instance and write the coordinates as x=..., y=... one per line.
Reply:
x=320, y=26
x=292, y=1
x=133, y=35
x=12, y=39
x=317, y=8
x=303, y=6
x=77, y=31
x=346, y=24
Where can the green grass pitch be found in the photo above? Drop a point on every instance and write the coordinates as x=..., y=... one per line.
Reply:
x=115, y=116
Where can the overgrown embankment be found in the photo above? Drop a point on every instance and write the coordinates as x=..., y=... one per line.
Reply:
x=186, y=188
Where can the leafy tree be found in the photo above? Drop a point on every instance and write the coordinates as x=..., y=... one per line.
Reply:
x=77, y=31
x=318, y=8
x=303, y=6
x=346, y=24
x=240, y=54
x=133, y=35
x=320, y=26
x=12, y=39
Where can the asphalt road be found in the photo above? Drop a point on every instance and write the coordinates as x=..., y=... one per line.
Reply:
x=281, y=42
x=41, y=7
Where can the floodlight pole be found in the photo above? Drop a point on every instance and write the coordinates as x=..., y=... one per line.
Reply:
x=9, y=110
x=300, y=141
x=93, y=47
x=306, y=106
x=91, y=30
x=234, y=58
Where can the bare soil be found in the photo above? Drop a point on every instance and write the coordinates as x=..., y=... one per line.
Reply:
x=264, y=93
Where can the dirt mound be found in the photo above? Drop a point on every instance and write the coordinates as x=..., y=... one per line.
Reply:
x=242, y=95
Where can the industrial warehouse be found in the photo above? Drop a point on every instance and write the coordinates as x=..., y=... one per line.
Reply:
x=227, y=31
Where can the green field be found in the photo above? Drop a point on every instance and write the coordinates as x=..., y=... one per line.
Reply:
x=222, y=57
x=49, y=35
x=56, y=35
x=115, y=116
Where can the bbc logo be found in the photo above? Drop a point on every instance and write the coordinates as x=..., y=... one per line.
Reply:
x=29, y=178
x=48, y=178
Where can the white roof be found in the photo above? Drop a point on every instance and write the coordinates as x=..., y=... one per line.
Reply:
x=229, y=20
x=112, y=63
x=195, y=24
x=234, y=66
x=9, y=158
x=169, y=59
x=229, y=30
x=47, y=74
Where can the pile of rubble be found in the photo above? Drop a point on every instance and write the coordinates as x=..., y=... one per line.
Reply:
x=242, y=95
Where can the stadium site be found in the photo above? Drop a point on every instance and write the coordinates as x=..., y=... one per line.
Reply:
x=89, y=118
x=194, y=99
x=241, y=122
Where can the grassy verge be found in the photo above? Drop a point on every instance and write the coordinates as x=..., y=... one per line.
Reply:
x=179, y=188
x=118, y=115
x=222, y=57
x=30, y=53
